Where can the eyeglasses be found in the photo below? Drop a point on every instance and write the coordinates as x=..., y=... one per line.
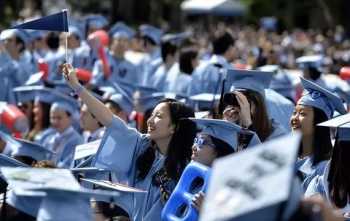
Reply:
x=203, y=140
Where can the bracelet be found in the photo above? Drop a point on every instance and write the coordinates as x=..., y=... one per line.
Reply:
x=77, y=90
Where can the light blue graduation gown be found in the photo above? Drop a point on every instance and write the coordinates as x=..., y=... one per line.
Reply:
x=148, y=67
x=278, y=130
x=119, y=150
x=207, y=77
x=171, y=80
x=63, y=144
x=12, y=74
x=279, y=108
x=121, y=70
x=310, y=171
x=319, y=185
x=84, y=57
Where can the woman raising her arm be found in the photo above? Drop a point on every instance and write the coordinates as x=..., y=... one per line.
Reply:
x=153, y=161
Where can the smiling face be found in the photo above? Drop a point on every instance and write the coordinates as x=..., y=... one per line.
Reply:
x=203, y=150
x=302, y=119
x=159, y=125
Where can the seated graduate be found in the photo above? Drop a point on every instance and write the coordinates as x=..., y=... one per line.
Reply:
x=218, y=138
x=153, y=161
x=315, y=106
x=246, y=103
x=333, y=184
x=62, y=138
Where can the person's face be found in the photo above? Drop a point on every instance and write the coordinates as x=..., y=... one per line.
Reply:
x=203, y=150
x=10, y=45
x=59, y=120
x=87, y=121
x=38, y=112
x=302, y=119
x=230, y=53
x=72, y=41
x=159, y=125
x=119, y=46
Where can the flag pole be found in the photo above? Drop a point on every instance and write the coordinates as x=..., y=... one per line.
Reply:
x=66, y=36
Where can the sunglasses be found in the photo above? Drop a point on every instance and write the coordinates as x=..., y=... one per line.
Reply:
x=203, y=140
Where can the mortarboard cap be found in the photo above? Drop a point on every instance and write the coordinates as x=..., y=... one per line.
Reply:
x=36, y=34
x=30, y=149
x=320, y=98
x=22, y=147
x=176, y=38
x=76, y=31
x=204, y=101
x=124, y=102
x=96, y=21
x=26, y=93
x=250, y=192
x=121, y=30
x=344, y=95
x=9, y=33
x=314, y=61
x=151, y=32
x=221, y=129
x=256, y=81
x=150, y=101
x=64, y=199
x=342, y=123
x=6, y=161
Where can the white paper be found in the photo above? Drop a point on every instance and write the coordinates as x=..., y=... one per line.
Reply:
x=250, y=180
x=31, y=178
x=114, y=186
x=87, y=149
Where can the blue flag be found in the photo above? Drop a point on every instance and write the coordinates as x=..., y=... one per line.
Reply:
x=54, y=22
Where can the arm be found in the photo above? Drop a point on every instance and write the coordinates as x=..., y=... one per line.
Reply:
x=97, y=108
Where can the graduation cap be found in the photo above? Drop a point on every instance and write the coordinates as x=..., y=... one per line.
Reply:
x=9, y=33
x=6, y=161
x=344, y=95
x=76, y=31
x=63, y=201
x=342, y=124
x=256, y=81
x=249, y=193
x=314, y=61
x=151, y=32
x=30, y=149
x=221, y=129
x=150, y=101
x=176, y=38
x=121, y=30
x=204, y=101
x=96, y=21
x=321, y=98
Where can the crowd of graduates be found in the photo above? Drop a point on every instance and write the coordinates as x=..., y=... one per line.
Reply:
x=145, y=103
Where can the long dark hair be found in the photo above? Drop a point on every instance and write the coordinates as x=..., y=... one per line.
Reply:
x=261, y=124
x=339, y=177
x=180, y=145
x=321, y=144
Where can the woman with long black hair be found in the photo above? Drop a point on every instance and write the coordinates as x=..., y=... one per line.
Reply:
x=153, y=162
x=315, y=106
x=334, y=184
